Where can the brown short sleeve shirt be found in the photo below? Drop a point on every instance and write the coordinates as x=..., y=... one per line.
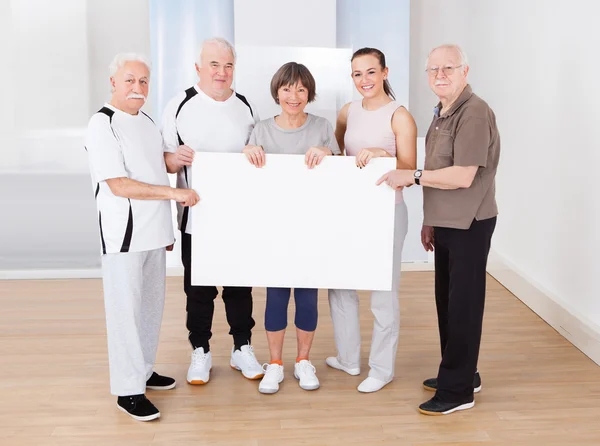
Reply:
x=465, y=135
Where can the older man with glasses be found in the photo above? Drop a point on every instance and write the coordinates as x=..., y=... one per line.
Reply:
x=462, y=152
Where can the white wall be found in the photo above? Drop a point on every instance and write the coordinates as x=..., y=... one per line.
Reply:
x=535, y=62
x=56, y=76
x=285, y=23
x=177, y=28
x=7, y=112
x=48, y=38
x=60, y=52
x=269, y=33
x=113, y=26
x=384, y=25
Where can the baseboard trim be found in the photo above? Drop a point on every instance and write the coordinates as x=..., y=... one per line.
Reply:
x=575, y=327
x=174, y=271
x=417, y=266
x=50, y=274
x=95, y=273
x=61, y=274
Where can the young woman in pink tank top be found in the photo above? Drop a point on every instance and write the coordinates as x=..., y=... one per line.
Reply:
x=376, y=126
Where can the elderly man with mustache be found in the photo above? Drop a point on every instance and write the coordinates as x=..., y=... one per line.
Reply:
x=462, y=149
x=133, y=196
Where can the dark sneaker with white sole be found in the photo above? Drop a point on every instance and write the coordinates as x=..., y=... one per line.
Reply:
x=138, y=407
x=431, y=384
x=436, y=407
x=159, y=382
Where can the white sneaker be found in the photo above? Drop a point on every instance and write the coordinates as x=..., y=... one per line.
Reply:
x=371, y=384
x=304, y=371
x=199, y=371
x=245, y=361
x=333, y=362
x=273, y=375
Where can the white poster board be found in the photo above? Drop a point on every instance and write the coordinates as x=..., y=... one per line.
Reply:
x=285, y=225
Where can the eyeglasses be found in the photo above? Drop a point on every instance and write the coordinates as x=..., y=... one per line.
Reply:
x=433, y=72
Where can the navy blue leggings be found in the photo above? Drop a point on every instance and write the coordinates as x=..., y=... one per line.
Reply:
x=277, y=308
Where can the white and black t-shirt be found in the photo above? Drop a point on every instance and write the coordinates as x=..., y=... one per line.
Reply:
x=124, y=145
x=198, y=121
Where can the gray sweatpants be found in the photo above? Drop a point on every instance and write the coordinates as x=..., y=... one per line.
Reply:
x=134, y=296
x=344, y=307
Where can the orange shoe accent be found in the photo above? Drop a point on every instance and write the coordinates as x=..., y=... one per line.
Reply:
x=259, y=376
x=298, y=359
x=434, y=414
x=197, y=382
x=277, y=362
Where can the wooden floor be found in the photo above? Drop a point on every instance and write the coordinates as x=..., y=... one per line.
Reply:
x=537, y=388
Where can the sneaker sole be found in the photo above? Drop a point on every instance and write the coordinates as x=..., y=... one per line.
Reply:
x=172, y=386
x=315, y=387
x=372, y=390
x=433, y=389
x=268, y=391
x=351, y=372
x=251, y=378
x=135, y=417
x=448, y=412
x=198, y=382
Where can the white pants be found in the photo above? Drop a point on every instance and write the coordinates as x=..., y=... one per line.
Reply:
x=344, y=307
x=134, y=296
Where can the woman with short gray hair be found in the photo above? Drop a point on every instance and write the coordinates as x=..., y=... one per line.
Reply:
x=293, y=132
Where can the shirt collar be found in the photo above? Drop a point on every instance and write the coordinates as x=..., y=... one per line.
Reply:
x=464, y=97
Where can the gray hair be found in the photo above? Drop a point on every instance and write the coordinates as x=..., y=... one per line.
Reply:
x=122, y=58
x=451, y=46
x=218, y=41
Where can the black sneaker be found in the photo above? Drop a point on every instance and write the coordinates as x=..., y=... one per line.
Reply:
x=437, y=407
x=159, y=382
x=138, y=407
x=431, y=384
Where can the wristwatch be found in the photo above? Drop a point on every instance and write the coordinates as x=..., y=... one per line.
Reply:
x=417, y=176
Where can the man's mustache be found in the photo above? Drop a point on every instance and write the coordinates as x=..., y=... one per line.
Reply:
x=136, y=96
